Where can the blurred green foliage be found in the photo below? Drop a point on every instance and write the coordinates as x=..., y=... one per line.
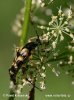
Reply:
x=55, y=85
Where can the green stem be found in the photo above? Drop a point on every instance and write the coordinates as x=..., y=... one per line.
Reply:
x=12, y=97
x=26, y=22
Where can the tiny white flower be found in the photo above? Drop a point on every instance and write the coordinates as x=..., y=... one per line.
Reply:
x=48, y=33
x=66, y=72
x=53, y=32
x=70, y=59
x=49, y=65
x=71, y=35
x=66, y=22
x=69, y=47
x=60, y=11
x=61, y=62
x=29, y=80
x=55, y=72
x=15, y=28
x=41, y=27
x=41, y=59
x=19, y=33
x=37, y=62
x=68, y=12
x=42, y=85
x=54, y=18
x=11, y=85
x=55, y=54
x=59, y=31
x=63, y=15
x=61, y=18
x=66, y=29
x=43, y=75
x=72, y=82
x=47, y=28
x=43, y=67
x=61, y=38
x=24, y=82
x=20, y=86
x=44, y=35
x=51, y=0
x=18, y=24
x=54, y=45
x=26, y=95
x=45, y=38
x=50, y=23
x=18, y=91
x=43, y=4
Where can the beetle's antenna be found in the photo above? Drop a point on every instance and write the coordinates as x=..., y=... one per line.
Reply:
x=35, y=29
x=33, y=24
x=38, y=38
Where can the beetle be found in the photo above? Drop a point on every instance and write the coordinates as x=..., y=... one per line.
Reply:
x=22, y=55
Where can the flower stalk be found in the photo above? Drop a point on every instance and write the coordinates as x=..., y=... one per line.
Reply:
x=26, y=22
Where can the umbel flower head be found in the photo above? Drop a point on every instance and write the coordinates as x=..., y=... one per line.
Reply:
x=58, y=26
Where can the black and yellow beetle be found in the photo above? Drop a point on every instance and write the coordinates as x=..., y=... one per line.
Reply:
x=21, y=56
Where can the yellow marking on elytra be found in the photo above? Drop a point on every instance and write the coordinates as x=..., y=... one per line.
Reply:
x=25, y=52
x=20, y=58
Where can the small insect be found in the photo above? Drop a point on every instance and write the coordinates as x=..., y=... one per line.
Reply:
x=22, y=55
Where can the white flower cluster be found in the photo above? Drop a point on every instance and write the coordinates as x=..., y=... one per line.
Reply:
x=20, y=86
x=57, y=27
x=17, y=25
x=38, y=3
x=17, y=88
x=41, y=3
